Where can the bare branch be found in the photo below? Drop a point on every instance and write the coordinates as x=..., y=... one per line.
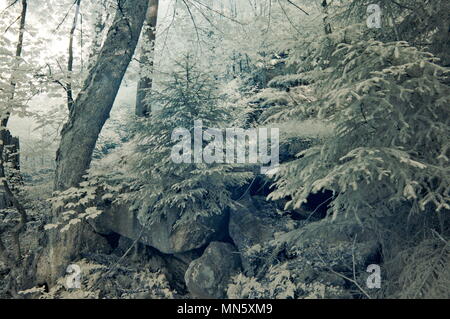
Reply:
x=65, y=16
x=12, y=4
x=215, y=11
x=295, y=5
x=12, y=23
x=193, y=20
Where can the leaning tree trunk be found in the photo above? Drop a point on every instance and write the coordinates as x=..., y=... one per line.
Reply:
x=79, y=135
x=94, y=102
x=146, y=60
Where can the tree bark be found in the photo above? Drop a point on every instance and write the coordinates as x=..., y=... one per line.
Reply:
x=146, y=60
x=93, y=104
x=12, y=260
x=70, y=61
x=326, y=22
x=6, y=140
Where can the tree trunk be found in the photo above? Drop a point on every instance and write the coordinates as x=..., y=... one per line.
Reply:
x=146, y=60
x=70, y=61
x=9, y=146
x=12, y=260
x=93, y=104
x=79, y=135
x=326, y=22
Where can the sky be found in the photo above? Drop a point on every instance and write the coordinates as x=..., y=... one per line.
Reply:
x=44, y=15
x=40, y=23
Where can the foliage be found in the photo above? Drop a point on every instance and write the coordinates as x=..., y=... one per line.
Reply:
x=426, y=270
x=362, y=112
x=193, y=189
x=132, y=282
x=280, y=285
x=78, y=204
x=389, y=103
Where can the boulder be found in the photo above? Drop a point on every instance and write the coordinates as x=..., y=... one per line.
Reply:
x=255, y=222
x=247, y=229
x=172, y=266
x=330, y=237
x=209, y=275
x=162, y=234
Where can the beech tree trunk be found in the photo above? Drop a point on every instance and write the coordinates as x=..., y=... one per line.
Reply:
x=79, y=135
x=93, y=104
x=146, y=59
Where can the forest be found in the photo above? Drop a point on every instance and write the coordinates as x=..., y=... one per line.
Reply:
x=224, y=149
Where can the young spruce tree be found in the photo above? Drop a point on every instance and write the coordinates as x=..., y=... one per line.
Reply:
x=192, y=189
x=389, y=105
